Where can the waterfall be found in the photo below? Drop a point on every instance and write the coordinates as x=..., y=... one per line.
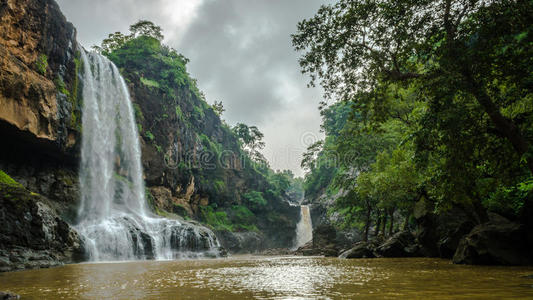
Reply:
x=304, y=228
x=114, y=220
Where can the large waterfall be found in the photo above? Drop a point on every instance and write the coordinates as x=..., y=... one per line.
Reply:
x=304, y=228
x=114, y=220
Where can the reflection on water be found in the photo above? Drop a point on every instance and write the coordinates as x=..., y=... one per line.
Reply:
x=248, y=277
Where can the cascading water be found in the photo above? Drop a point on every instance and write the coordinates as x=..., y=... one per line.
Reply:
x=304, y=228
x=114, y=220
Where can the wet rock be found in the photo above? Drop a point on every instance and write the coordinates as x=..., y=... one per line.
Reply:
x=497, y=242
x=32, y=234
x=276, y=251
x=311, y=252
x=241, y=242
x=360, y=250
x=401, y=244
x=29, y=31
x=438, y=235
x=8, y=296
x=324, y=236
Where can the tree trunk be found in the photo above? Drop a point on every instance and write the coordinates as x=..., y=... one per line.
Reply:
x=367, y=225
x=384, y=227
x=378, y=223
x=406, y=221
x=505, y=126
x=391, y=225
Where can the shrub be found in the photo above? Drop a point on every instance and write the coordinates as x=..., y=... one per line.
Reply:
x=42, y=64
x=6, y=179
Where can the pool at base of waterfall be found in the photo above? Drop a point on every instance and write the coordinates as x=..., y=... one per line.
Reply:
x=251, y=277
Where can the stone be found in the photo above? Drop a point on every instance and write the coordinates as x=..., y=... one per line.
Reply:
x=360, y=250
x=497, y=242
x=324, y=235
x=401, y=244
x=8, y=296
x=438, y=235
x=241, y=242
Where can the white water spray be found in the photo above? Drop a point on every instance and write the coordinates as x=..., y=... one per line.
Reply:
x=304, y=228
x=114, y=220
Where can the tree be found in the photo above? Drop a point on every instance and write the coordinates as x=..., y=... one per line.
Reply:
x=116, y=40
x=146, y=28
x=218, y=108
x=252, y=141
x=473, y=49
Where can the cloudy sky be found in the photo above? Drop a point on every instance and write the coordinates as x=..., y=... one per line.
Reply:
x=241, y=54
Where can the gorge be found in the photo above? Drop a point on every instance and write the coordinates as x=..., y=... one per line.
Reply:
x=118, y=179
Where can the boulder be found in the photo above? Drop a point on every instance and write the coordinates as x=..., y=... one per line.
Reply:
x=324, y=236
x=240, y=242
x=401, y=244
x=8, y=296
x=360, y=250
x=497, y=242
x=32, y=234
x=438, y=235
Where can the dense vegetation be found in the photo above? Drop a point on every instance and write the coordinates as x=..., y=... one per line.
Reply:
x=435, y=103
x=224, y=163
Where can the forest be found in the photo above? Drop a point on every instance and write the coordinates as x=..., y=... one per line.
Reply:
x=424, y=109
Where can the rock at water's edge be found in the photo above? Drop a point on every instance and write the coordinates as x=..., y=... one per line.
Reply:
x=497, y=242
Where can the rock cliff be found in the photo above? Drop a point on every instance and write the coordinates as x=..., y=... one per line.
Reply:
x=193, y=163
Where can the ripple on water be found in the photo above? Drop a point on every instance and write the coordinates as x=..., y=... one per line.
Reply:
x=248, y=277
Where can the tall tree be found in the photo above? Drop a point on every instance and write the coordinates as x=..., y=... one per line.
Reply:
x=472, y=48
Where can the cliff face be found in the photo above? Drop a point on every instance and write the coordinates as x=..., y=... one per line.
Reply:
x=39, y=125
x=38, y=82
x=193, y=163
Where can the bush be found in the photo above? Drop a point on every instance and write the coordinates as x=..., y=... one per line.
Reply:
x=6, y=179
x=255, y=199
x=42, y=64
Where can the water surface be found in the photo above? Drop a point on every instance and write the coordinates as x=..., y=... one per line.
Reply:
x=252, y=277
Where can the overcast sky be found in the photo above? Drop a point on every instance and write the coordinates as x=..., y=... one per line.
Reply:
x=241, y=54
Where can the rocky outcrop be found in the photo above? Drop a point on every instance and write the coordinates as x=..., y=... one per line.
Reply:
x=40, y=125
x=401, y=244
x=438, y=235
x=497, y=242
x=38, y=82
x=32, y=234
x=360, y=250
x=241, y=242
x=8, y=296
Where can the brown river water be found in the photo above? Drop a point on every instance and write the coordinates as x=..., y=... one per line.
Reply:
x=255, y=277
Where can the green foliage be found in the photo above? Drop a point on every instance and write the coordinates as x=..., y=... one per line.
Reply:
x=218, y=107
x=220, y=186
x=7, y=180
x=198, y=113
x=42, y=64
x=255, y=200
x=75, y=117
x=438, y=98
x=60, y=85
x=149, y=83
x=179, y=113
x=149, y=135
x=218, y=220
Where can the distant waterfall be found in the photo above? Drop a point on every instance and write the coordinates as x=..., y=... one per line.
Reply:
x=115, y=223
x=304, y=228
